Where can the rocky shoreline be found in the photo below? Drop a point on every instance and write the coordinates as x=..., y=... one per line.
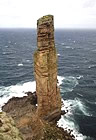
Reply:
x=23, y=111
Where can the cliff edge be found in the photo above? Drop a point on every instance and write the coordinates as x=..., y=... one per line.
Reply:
x=23, y=111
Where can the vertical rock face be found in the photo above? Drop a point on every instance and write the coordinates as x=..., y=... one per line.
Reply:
x=45, y=65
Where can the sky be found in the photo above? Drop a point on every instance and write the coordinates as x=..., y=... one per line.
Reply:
x=67, y=13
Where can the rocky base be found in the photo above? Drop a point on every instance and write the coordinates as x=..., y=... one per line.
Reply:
x=23, y=111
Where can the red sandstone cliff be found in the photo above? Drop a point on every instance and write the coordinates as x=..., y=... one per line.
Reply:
x=45, y=65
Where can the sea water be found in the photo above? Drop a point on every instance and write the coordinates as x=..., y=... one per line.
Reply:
x=76, y=69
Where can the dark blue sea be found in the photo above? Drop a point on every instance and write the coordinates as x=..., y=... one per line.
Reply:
x=76, y=51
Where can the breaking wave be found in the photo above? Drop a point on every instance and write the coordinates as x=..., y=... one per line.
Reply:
x=17, y=90
x=92, y=66
x=67, y=121
x=58, y=54
x=20, y=64
x=68, y=83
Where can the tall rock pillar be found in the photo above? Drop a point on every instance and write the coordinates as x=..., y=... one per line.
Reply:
x=45, y=65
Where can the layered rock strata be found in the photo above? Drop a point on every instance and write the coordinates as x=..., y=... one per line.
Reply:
x=45, y=67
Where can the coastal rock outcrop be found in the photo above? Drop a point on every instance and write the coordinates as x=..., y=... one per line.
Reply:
x=31, y=126
x=45, y=65
x=29, y=117
x=8, y=130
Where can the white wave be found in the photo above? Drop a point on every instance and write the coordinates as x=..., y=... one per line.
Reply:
x=79, y=77
x=90, y=102
x=92, y=66
x=67, y=121
x=75, y=104
x=70, y=83
x=58, y=54
x=28, y=60
x=62, y=44
x=60, y=80
x=89, y=67
x=80, y=94
x=67, y=124
x=20, y=64
x=17, y=90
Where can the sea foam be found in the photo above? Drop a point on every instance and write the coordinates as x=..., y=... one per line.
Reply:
x=67, y=121
x=20, y=64
x=69, y=83
x=58, y=54
x=92, y=66
x=17, y=90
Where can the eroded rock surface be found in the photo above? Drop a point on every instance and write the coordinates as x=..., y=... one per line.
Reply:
x=45, y=65
x=29, y=124
x=8, y=130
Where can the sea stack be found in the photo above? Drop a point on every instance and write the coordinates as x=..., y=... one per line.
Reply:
x=45, y=67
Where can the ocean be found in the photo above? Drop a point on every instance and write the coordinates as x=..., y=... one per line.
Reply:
x=76, y=50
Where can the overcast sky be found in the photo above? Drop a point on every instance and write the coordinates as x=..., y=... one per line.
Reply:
x=67, y=13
